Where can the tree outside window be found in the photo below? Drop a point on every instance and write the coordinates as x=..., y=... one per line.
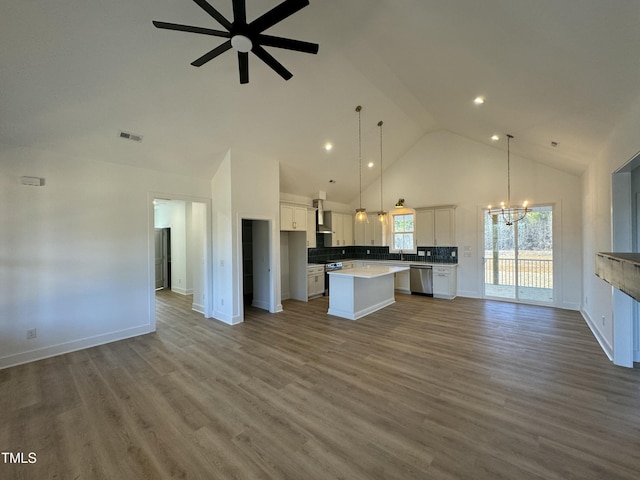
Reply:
x=403, y=232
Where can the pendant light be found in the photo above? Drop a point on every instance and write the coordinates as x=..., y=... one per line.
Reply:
x=382, y=215
x=361, y=213
x=510, y=214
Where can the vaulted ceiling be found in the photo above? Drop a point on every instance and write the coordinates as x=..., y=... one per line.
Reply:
x=76, y=72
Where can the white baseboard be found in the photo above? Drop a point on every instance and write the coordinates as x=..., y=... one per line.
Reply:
x=608, y=349
x=264, y=305
x=196, y=307
x=182, y=291
x=72, y=346
x=225, y=318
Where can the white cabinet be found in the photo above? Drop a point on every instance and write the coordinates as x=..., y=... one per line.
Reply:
x=346, y=264
x=445, y=282
x=315, y=281
x=293, y=218
x=369, y=234
x=341, y=225
x=435, y=226
x=311, y=228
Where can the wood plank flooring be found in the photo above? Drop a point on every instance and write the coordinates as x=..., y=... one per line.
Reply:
x=424, y=389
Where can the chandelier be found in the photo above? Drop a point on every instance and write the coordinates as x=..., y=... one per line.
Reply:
x=510, y=214
x=361, y=213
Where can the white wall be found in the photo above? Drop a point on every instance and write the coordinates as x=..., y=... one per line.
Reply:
x=598, y=300
x=179, y=270
x=197, y=247
x=246, y=185
x=443, y=168
x=74, y=254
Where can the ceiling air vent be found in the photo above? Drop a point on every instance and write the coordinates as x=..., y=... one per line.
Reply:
x=130, y=136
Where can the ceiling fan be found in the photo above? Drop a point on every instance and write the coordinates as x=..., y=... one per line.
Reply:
x=248, y=37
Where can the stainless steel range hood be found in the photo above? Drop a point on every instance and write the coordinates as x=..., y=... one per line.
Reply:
x=321, y=227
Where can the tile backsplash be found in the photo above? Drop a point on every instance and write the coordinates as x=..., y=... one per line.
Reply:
x=432, y=254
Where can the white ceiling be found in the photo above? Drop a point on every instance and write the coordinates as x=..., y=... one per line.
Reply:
x=75, y=72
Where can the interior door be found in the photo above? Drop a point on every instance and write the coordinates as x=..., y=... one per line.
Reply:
x=162, y=257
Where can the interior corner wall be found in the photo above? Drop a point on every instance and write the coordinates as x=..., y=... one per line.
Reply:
x=256, y=196
x=74, y=253
x=443, y=168
x=223, y=247
x=246, y=186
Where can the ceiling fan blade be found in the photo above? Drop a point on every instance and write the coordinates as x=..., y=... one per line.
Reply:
x=212, y=54
x=277, y=14
x=214, y=13
x=239, y=12
x=191, y=29
x=266, y=57
x=288, y=43
x=243, y=65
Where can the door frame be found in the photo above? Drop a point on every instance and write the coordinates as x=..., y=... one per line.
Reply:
x=273, y=305
x=556, y=222
x=208, y=273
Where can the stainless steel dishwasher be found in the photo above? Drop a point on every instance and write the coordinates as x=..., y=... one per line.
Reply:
x=421, y=279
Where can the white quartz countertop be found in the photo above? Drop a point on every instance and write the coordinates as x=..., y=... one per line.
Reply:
x=369, y=271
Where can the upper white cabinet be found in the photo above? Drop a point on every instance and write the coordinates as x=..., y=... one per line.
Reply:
x=341, y=225
x=369, y=234
x=311, y=228
x=293, y=218
x=435, y=226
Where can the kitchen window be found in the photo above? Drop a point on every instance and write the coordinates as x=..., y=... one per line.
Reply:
x=403, y=227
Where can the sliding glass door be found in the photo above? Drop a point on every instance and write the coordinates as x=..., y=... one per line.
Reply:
x=518, y=258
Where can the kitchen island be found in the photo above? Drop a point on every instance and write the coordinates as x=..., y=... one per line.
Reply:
x=356, y=292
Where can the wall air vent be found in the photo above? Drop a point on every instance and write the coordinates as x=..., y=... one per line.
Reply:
x=130, y=136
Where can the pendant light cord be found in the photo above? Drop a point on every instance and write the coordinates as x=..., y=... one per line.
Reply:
x=509, y=137
x=380, y=125
x=359, y=109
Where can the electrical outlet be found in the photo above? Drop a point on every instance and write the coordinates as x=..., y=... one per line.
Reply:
x=421, y=253
x=368, y=252
x=343, y=252
x=31, y=333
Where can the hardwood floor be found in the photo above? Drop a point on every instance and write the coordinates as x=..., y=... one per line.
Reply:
x=425, y=389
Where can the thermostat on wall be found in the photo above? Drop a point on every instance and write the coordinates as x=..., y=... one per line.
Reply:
x=32, y=181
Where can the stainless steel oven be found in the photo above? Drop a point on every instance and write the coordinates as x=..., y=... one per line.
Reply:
x=330, y=267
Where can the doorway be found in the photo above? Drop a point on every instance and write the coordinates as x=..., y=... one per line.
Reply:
x=518, y=258
x=180, y=250
x=256, y=264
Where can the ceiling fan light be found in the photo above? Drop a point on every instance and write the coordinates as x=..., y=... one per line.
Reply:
x=241, y=43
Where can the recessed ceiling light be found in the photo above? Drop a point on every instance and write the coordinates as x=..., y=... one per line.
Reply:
x=370, y=164
x=478, y=100
x=328, y=147
x=495, y=138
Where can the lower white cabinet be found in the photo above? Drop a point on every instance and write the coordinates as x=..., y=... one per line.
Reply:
x=315, y=281
x=445, y=282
